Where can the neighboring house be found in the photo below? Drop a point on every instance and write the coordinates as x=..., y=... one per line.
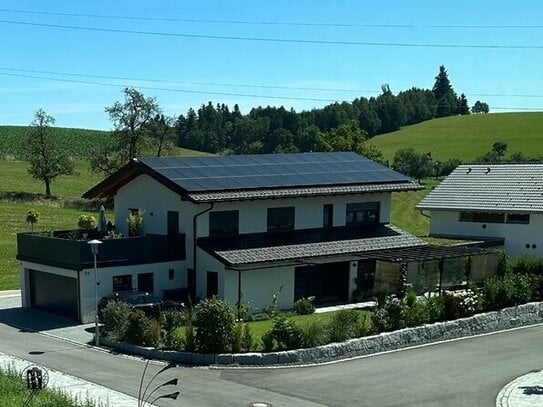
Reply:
x=240, y=227
x=491, y=201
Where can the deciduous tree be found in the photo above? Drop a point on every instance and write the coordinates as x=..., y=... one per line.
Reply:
x=47, y=161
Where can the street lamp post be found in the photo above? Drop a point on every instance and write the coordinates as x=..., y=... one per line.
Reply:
x=94, y=244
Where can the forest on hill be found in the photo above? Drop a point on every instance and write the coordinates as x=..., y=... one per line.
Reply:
x=217, y=129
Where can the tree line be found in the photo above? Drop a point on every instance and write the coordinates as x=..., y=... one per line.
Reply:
x=140, y=125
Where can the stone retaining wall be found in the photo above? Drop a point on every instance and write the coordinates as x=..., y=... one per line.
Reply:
x=527, y=314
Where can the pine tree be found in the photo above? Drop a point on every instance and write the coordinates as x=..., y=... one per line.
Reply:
x=444, y=93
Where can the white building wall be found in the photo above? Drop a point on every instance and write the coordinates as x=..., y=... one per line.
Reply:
x=153, y=198
x=520, y=240
x=105, y=276
x=258, y=287
x=308, y=211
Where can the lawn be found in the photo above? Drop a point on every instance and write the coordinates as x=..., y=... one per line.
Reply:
x=468, y=137
x=259, y=328
x=14, y=393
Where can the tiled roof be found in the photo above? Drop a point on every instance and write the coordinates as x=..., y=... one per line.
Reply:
x=489, y=187
x=312, y=244
x=302, y=192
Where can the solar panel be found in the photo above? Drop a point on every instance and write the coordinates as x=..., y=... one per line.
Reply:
x=238, y=172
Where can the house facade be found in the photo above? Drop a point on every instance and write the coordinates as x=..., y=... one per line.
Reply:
x=490, y=202
x=244, y=228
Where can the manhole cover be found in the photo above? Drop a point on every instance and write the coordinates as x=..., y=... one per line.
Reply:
x=259, y=404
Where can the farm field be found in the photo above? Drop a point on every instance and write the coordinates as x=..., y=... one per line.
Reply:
x=468, y=137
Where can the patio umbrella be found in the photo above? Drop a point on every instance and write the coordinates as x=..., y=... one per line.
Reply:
x=102, y=220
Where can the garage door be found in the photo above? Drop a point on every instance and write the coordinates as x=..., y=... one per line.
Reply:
x=54, y=293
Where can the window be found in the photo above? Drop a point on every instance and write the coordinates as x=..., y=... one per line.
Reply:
x=122, y=283
x=171, y=274
x=281, y=219
x=366, y=213
x=328, y=216
x=522, y=218
x=223, y=223
x=173, y=222
x=482, y=217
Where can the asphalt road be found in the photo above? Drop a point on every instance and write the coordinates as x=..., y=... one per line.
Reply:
x=467, y=372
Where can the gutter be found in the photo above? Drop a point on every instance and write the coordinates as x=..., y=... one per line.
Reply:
x=194, y=248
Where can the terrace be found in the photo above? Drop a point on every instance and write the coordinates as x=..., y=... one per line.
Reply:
x=68, y=249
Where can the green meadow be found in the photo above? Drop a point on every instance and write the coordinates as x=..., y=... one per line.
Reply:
x=468, y=137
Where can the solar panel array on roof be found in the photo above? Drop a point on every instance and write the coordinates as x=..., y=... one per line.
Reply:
x=239, y=172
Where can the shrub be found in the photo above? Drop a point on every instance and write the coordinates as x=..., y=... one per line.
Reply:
x=238, y=334
x=135, y=223
x=526, y=265
x=343, y=325
x=173, y=319
x=86, y=222
x=507, y=290
x=272, y=310
x=139, y=329
x=267, y=341
x=365, y=325
x=390, y=316
x=174, y=339
x=304, y=306
x=215, y=321
x=247, y=340
x=189, y=341
x=436, y=308
x=285, y=334
x=314, y=334
x=115, y=317
x=416, y=313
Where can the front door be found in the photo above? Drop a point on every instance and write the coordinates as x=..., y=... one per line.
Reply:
x=145, y=283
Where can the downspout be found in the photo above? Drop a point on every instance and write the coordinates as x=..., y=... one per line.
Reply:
x=423, y=214
x=194, y=238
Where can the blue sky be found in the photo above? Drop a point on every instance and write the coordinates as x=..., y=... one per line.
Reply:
x=178, y=70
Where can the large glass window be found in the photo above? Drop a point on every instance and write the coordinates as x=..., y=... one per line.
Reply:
x=482, y=217
x=522, y=218
x=281, y=219
x=223, y=223
x=362, y=213
x=122, y=283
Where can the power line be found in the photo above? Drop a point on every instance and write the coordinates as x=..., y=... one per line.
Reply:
x=86, y=82
x=259, y=86
x=95, y=83
x=276, y=40
x=187, y=82
x=280, y=23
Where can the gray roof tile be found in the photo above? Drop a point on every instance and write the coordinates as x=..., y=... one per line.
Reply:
x=489, y=187
x=389, y=237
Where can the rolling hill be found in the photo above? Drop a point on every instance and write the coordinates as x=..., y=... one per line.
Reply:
x=468, y=137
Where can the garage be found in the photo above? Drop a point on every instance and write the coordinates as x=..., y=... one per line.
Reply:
x=53, y=293
x=328, y=282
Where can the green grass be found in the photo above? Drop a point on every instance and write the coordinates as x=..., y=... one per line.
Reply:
x=259, y=328
x=14, y=393
x=468, y=137
x=77, y=142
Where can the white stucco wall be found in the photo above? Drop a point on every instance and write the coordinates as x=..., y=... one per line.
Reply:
x=259, y=286
x=517, y=236
x=153, y=198
x=308, y=211
x=105, y=276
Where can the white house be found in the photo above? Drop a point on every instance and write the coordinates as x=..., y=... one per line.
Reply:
x=490, y=201
x=240, y=227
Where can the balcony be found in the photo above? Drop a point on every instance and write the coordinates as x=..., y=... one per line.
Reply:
x=65, y=249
